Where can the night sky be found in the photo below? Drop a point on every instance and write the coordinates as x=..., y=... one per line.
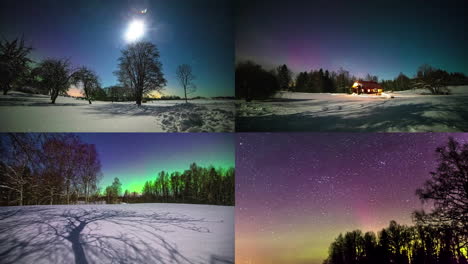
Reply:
x=383, y=38
x=296, y=192
x=137, y=157
x=91, y=33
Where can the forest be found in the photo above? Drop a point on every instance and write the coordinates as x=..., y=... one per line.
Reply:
x=437, y=237
x=47, y=169
x=255, y=82
x=196, y=185
x=53, y=168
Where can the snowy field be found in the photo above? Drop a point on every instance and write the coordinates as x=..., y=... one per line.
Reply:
x=133, y=233
x=405, y=111
x=20, y=112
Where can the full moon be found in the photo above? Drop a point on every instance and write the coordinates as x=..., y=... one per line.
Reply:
x=135, y=30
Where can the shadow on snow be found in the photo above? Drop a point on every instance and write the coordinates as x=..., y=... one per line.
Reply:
x=41, y=233
x=376, y=119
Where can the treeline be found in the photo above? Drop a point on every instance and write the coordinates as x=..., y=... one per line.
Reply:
x=438, y=237
x=196, y=185
x=50, y=168
x=254, y=82
x=139, y=72
x=419, y=244
x=47, y=168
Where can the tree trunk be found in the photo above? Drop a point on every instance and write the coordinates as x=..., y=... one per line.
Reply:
x=21, y=196
x=185, y=92
x=5, y=91
x=68, y=192
x=87, y=96
x=54, y=96
x=86, y=193
x=138, y=98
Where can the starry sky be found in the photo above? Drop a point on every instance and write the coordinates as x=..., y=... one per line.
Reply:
x=91, y=33
x=296, y=192
x=137, y=157
x=379, y=37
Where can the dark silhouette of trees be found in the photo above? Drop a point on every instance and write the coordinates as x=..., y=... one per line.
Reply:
x=118, y=93
x=447, y=191
x=402, y=82
x=89, y=80
x=113, y=191
x=55, y=76
x=437, y=237
x=14, y=62
x=284, y=76
x=47, y=169
x=253, y=82
x=195, y=185
x=186, y=77
x=432, y=79
x=419, y=244
x=343, y=81
x=140, y=69
x=302, y=82
x=371, y=78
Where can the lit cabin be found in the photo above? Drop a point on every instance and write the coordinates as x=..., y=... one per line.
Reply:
x=360, y=87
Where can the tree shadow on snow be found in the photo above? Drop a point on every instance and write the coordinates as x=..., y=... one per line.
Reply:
x=27, y=102
x=397, y=118
x=104, y=236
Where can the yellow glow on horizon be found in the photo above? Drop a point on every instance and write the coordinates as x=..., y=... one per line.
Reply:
x=154, y=94
x=75, y=91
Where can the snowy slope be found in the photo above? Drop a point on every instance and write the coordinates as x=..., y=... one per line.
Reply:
x=131, y=233
x=407, y=111
x=21, y=112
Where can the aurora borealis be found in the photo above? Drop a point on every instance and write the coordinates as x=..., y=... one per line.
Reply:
x=382, y=38
x=296, y=192
x=138, y=157
x=92, y=33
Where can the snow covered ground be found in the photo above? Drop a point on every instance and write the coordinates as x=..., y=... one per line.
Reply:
x=20, y=112
x=130, y=233
x=405, y=111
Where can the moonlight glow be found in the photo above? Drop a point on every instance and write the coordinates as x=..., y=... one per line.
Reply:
x=135, y=31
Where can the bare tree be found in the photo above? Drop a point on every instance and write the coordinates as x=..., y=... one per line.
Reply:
x=186, y=78
x=18, y=162
x=90, y=169
x=140, y=69
x=13, y=62
x=448, y=187
x=89, y=81
x=432, y=79
x=372, y=78
x=54, y=75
